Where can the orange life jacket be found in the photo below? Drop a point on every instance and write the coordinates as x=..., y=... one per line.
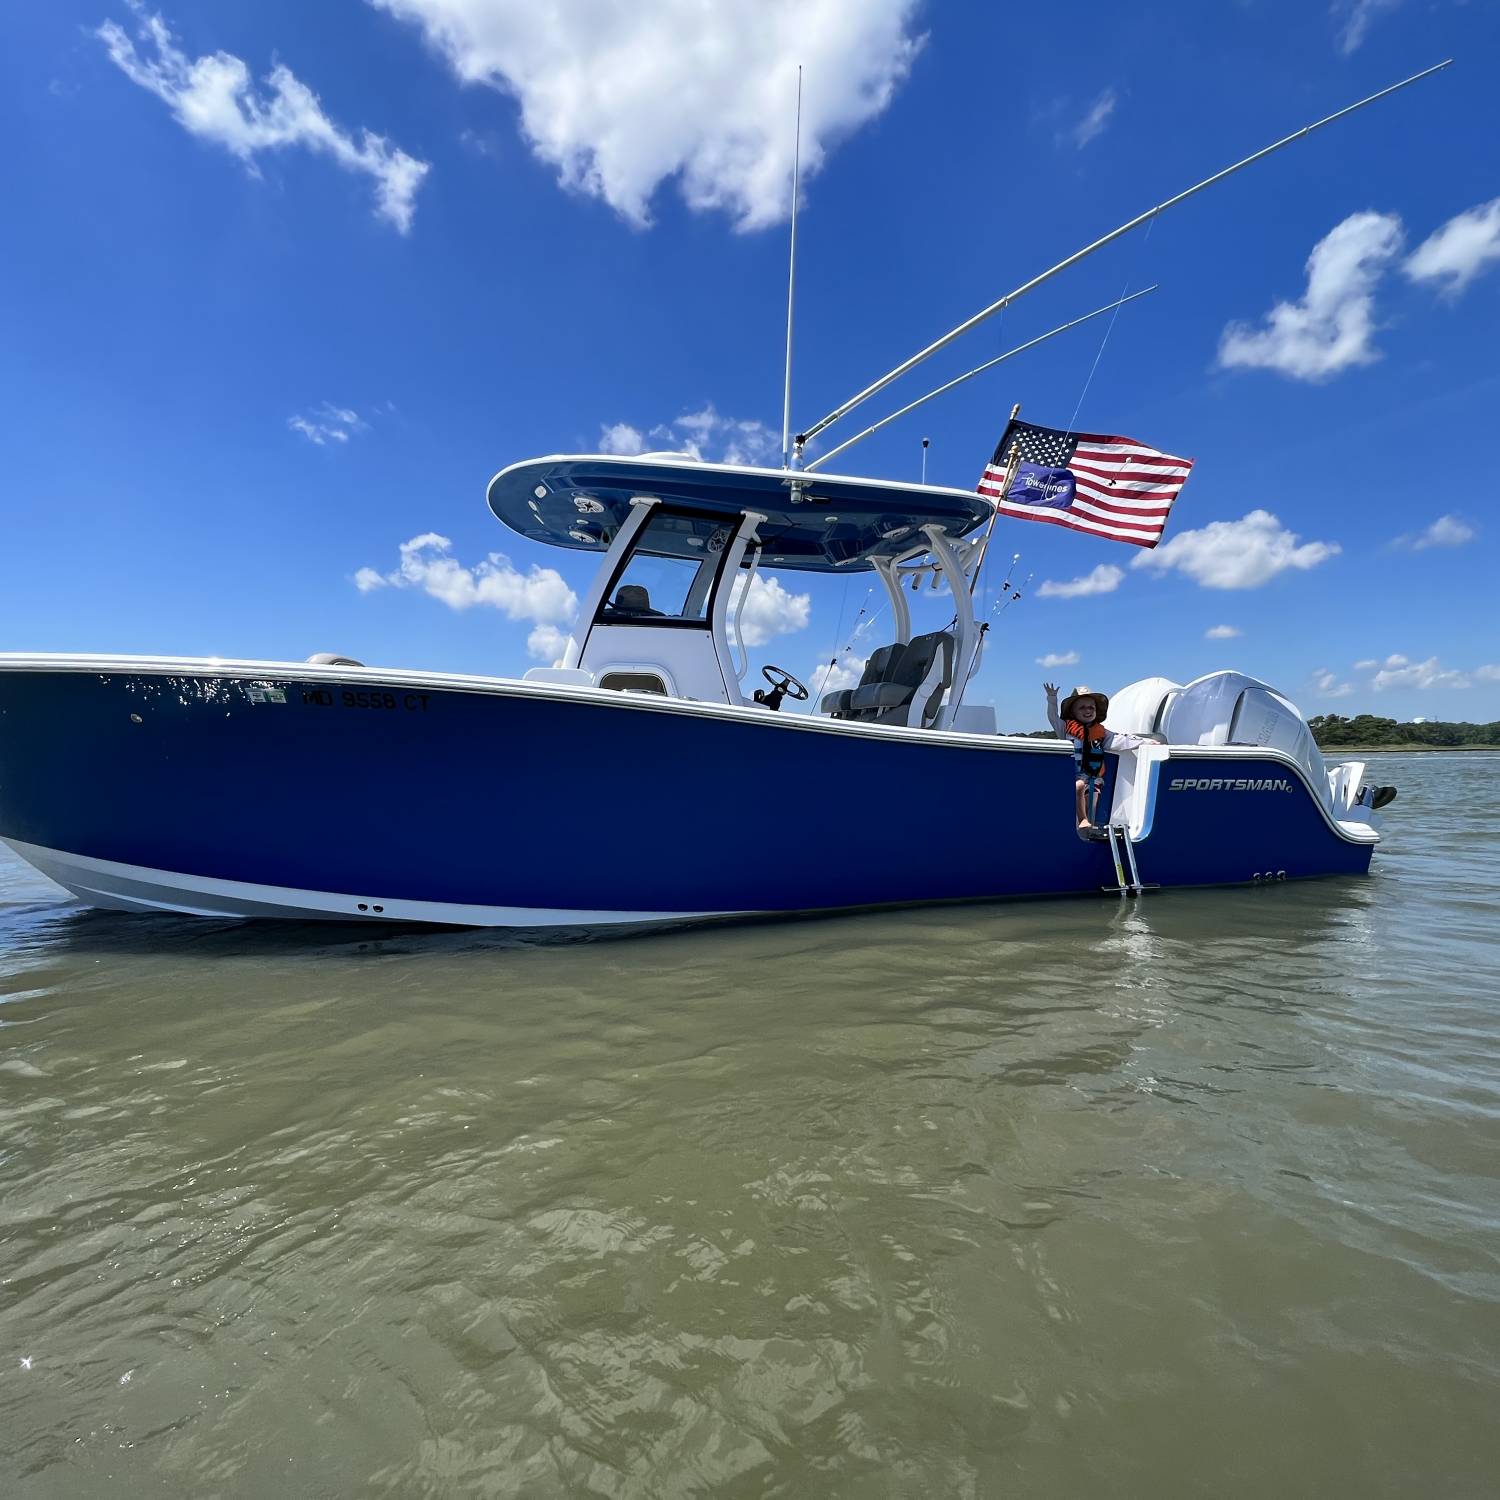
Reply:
x=1088, y=746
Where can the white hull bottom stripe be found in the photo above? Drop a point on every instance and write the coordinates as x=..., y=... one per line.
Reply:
x=118, y=887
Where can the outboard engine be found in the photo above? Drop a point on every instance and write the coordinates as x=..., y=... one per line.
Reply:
x=1229, y=708
x=1138, y=709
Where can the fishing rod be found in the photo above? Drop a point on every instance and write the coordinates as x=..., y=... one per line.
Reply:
x=803, y=438
x=990, y=364
x=1005, y=600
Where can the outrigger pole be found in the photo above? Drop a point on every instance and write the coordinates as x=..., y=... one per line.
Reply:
x=1114, y=234
x=989, y=364
x=791, y=282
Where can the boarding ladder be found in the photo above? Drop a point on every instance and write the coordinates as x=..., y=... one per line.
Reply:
x=1128, y=880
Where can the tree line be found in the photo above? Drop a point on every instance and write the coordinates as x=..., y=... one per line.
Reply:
x=1333, y=730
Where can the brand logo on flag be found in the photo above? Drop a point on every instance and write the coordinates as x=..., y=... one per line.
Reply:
x=1112, y=487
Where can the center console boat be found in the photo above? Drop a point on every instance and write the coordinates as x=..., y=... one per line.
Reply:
x=649, y=776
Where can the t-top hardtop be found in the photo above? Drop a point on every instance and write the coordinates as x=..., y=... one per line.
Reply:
x=818, y=523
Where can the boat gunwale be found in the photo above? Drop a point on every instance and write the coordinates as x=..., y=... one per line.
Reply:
x=239, y=669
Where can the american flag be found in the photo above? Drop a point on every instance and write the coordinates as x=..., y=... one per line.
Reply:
x=1113, y=487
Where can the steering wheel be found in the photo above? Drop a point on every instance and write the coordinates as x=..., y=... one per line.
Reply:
x=784, y=685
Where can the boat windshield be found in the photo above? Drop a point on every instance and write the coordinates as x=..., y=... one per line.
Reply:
x=656, y=588
x=669, y=573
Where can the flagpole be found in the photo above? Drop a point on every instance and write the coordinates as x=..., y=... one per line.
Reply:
x=1012, y=463
x=1114, y=234
x=989, y=364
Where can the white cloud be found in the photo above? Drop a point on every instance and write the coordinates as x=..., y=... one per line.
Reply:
x=539, y=595
x=621, y=437
x=1365, y=666
x=1329, y=686
x=1358, y=15
x=1222, y=633
x=703, y=435
x=1455, y=254
x=1105, y=579
x=748, y=442
x=328, y=424
x=213, y=97
x=1489, y=673
x=1400, y=672
x=1331, y=328
x=1095, y=119
x=1446, y=531
x=1058, y=659
x=770, y=610
x=845, y=673
x=1239, y=554
x=620, y=98
x=547, y=643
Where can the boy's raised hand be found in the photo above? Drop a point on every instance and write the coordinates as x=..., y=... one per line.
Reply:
x=1051, y=688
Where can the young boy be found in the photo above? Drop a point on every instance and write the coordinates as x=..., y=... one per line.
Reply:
x=1081, y=720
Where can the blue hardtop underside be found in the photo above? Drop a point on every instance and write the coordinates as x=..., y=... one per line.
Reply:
x=815, y=522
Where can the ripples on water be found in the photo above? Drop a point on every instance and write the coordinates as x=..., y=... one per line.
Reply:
x=1195, y=1196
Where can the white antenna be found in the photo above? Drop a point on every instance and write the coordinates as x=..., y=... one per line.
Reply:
x=925, y=442
x=791, y=285
x=1099, y=244
x=989, y=364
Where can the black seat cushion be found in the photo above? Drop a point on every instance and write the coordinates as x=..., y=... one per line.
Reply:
x=877, y=668
x=906, y=675
x=882, y=695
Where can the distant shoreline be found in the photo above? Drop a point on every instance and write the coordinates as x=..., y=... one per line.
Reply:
x=1404, y=749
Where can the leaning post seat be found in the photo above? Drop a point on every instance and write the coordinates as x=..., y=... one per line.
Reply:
x=839, y=704
x=912, y=690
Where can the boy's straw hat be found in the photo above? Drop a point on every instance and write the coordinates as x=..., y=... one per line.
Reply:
x=1101, y=704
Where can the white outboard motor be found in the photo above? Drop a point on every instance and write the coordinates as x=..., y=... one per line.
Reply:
x=1229, y=708
x=1139, y=708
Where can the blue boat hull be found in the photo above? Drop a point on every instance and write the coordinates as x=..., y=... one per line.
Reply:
x=405, y=795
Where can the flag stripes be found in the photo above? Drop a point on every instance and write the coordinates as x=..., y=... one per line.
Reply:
x=1112, y=487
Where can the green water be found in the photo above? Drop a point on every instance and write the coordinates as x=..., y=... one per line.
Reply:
x=1196, y=1196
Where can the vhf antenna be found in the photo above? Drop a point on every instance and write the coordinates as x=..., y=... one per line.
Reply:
x=791, y=284
x=925, y=442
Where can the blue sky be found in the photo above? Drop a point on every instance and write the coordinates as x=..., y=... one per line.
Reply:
x=284, y=285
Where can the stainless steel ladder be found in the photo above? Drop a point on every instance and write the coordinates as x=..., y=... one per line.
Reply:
x=1128, y=880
